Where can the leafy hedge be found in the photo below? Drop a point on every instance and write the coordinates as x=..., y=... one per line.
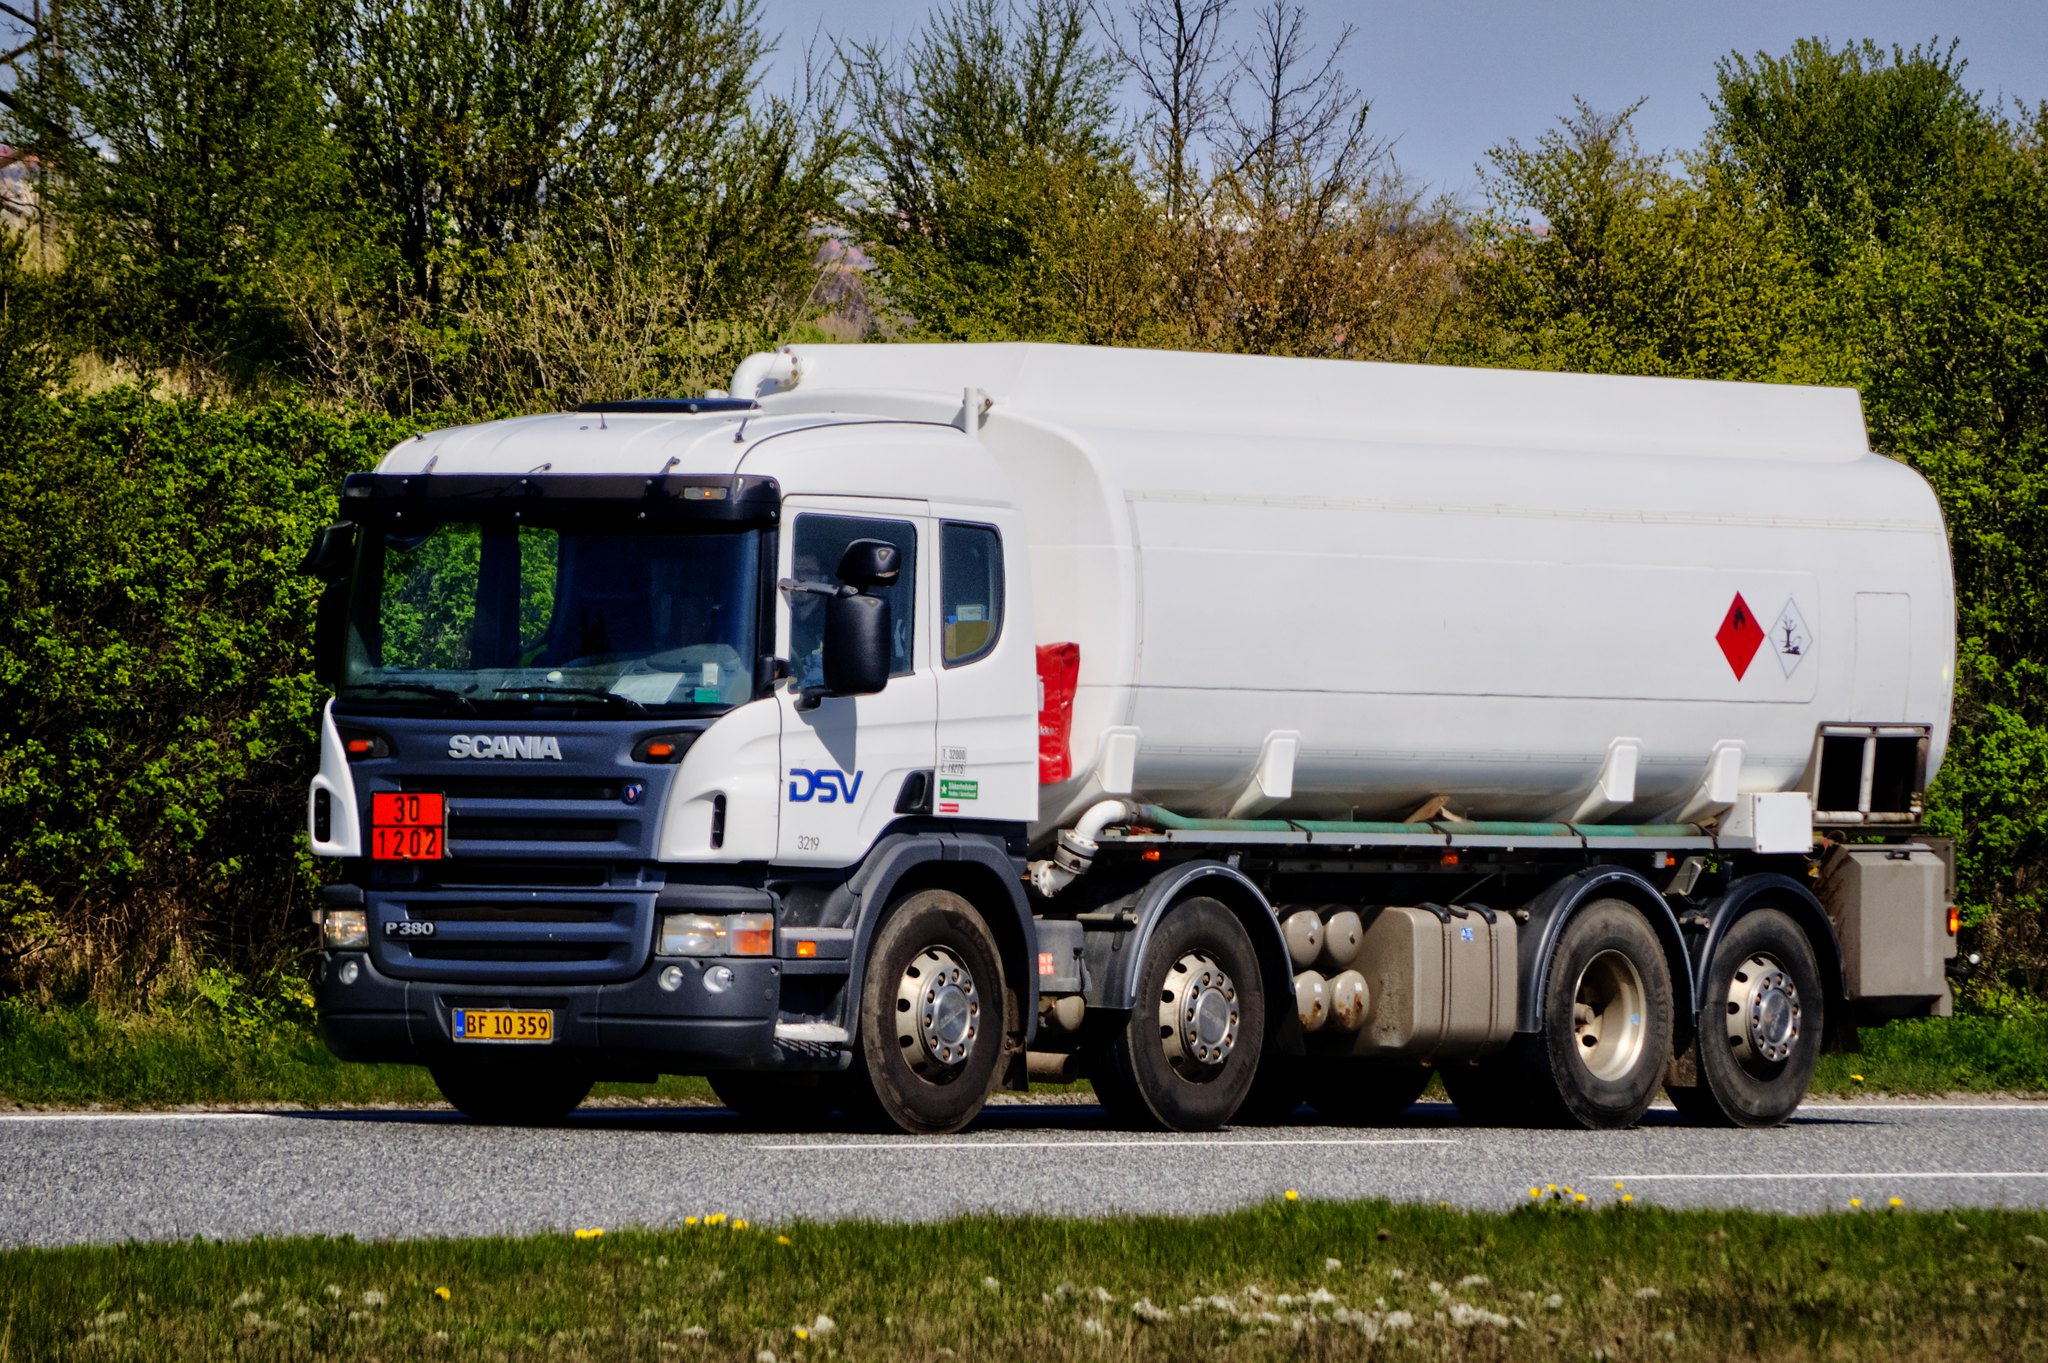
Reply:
x=156, y=697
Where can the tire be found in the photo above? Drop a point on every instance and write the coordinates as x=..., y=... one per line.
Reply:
x=1762, y=1015
x=1493, y=1090
x=1603, y=1075
x=774, y=1101
x=932, y=1024
x=1186, y=1057
x=1279, y=1090
x=1365, y=1092
x=512, y=1097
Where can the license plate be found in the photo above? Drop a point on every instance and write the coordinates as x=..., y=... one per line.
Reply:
x=405, y=827
x=504, y=1024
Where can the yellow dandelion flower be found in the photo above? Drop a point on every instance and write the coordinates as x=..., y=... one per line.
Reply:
x=1856, y=1078
x=689, y=1220
x=1898, y=1202
x=1578, y=1197
x=1550, y=1187
x=784, y=1240
x=589, y=1232
x=802, y=1333
x=1855, y=1202
x=1617, y=1185
x=443, y=1293
x=739, y=1225
x=1628, y=1197
x=1535, y=1192
x=1292, y=1195
x=715, y=1219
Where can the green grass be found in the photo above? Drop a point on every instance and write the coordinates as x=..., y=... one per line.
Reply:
x=1943, y=1055
x=1282, y=1281
x=83, y=1057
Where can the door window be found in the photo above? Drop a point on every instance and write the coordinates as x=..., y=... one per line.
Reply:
x=971, y=585
x=816, y=548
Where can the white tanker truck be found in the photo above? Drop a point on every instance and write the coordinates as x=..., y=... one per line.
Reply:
x=1238, y=733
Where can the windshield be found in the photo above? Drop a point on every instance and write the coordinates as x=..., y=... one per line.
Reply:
x=585, y=612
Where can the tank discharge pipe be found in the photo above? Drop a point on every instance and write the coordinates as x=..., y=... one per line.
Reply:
x=1074, y=851
x=777, y=367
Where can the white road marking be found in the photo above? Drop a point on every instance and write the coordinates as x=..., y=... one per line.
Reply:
x=1870, y=1174
x=911, y=1143
x=140, y=1116
x=1907, y=1105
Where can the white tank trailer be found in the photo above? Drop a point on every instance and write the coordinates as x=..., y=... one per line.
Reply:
x=1281, y=731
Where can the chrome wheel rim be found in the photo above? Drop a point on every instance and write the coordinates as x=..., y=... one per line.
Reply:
x=1610, y=1016
x=1198, y=1014
x=1763, y=1012
x=938, y=1012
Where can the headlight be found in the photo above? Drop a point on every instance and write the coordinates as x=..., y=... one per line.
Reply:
x=690, y=934
x=701, y=934
x=344, y=928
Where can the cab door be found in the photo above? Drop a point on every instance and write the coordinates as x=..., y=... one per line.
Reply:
x=845, y=760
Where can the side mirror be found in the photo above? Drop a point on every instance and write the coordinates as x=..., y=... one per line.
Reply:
x=330, y=633
x=332, y=553
x=858, y=634
x=870, y=563
x=329, y=559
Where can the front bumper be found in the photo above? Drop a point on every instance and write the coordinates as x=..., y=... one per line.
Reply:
x=629, y=1029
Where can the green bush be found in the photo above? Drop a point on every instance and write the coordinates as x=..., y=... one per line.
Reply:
x=156, y=698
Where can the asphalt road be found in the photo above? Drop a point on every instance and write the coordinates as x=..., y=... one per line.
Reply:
x=78, y=1178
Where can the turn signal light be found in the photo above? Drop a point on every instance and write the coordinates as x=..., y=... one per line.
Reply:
x=753, y=934
x=361, y=743
x=1955, y=920
x=667, y=748
x=806, y=950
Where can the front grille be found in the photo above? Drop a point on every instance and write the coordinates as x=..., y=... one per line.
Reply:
x=523, y=953
x=601, y=788
x=513, y=937
x=492, y=828
x=538, y=875
x=436, y=912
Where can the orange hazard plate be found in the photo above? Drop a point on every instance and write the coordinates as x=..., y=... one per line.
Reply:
x=407, y=827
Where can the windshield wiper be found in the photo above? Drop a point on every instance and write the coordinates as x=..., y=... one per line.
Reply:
x=612, y=697
x=421, y=688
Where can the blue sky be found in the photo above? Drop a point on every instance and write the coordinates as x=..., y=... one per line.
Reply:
x=1449, y=80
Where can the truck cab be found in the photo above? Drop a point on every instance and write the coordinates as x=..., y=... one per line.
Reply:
x=612, y=736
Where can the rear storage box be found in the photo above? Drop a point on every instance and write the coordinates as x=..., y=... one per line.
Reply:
x=1442, y=984
x=1890, y=909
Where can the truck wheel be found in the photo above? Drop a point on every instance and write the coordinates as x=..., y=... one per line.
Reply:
x=1185, y=1058
x=1493, y=1090
x=507, y=1097
x=932, y=1018
x=1365, y=1092
x=1278, y=1091
x=1606, y=1037
x=1760, y=1026
x=774, y=1101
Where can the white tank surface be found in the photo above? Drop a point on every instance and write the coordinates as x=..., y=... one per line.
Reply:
x=1331, y=590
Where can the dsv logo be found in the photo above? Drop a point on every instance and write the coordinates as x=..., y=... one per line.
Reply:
x=823, y=785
